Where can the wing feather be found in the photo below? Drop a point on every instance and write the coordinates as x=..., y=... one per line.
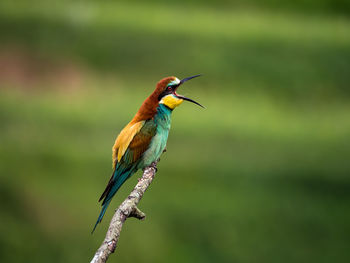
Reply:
x=140, y=144
x=131, y=143
x=124, y=139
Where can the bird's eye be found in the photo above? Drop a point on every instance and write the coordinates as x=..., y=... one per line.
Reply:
x=169, y=88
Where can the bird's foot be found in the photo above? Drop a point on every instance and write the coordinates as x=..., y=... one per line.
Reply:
x=154, y=165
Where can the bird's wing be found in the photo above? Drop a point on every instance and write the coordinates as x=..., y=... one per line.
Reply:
x=132, y=142
x=140, y=143
x=124, y=139
x=130, y=153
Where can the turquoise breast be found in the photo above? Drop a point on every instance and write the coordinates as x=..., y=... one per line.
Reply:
x=162, y=121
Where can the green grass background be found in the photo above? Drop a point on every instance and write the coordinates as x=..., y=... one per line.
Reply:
x=260, y=175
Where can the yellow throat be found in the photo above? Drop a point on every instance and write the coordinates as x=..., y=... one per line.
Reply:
x=171, y=101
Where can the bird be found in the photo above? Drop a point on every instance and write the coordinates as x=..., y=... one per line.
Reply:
x=144, y=138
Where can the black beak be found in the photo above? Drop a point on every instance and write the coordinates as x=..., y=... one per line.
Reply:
x=184, y=80
x=183, y=97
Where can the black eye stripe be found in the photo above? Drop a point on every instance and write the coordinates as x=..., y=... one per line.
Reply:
x=167, y=91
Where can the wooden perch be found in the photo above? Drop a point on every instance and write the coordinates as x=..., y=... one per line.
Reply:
x=127, y=209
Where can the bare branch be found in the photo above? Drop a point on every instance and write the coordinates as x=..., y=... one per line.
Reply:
x=127, y=209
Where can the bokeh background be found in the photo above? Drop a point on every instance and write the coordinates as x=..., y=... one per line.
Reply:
x=260, y=175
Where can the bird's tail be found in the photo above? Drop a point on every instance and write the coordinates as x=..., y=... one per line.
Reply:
x=102, y=213
x=114, y=184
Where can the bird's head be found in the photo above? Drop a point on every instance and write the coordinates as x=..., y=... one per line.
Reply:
x=166, y=92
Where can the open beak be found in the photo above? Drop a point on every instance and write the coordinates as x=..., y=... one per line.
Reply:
x=185, y=98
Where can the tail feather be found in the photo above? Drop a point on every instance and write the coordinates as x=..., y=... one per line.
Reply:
x=108, y=187
x=102, y=213
x=110, y=191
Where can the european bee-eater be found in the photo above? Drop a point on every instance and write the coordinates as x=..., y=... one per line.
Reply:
x=144, y=138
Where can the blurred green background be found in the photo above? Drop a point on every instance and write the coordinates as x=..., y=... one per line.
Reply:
x=260, y=175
